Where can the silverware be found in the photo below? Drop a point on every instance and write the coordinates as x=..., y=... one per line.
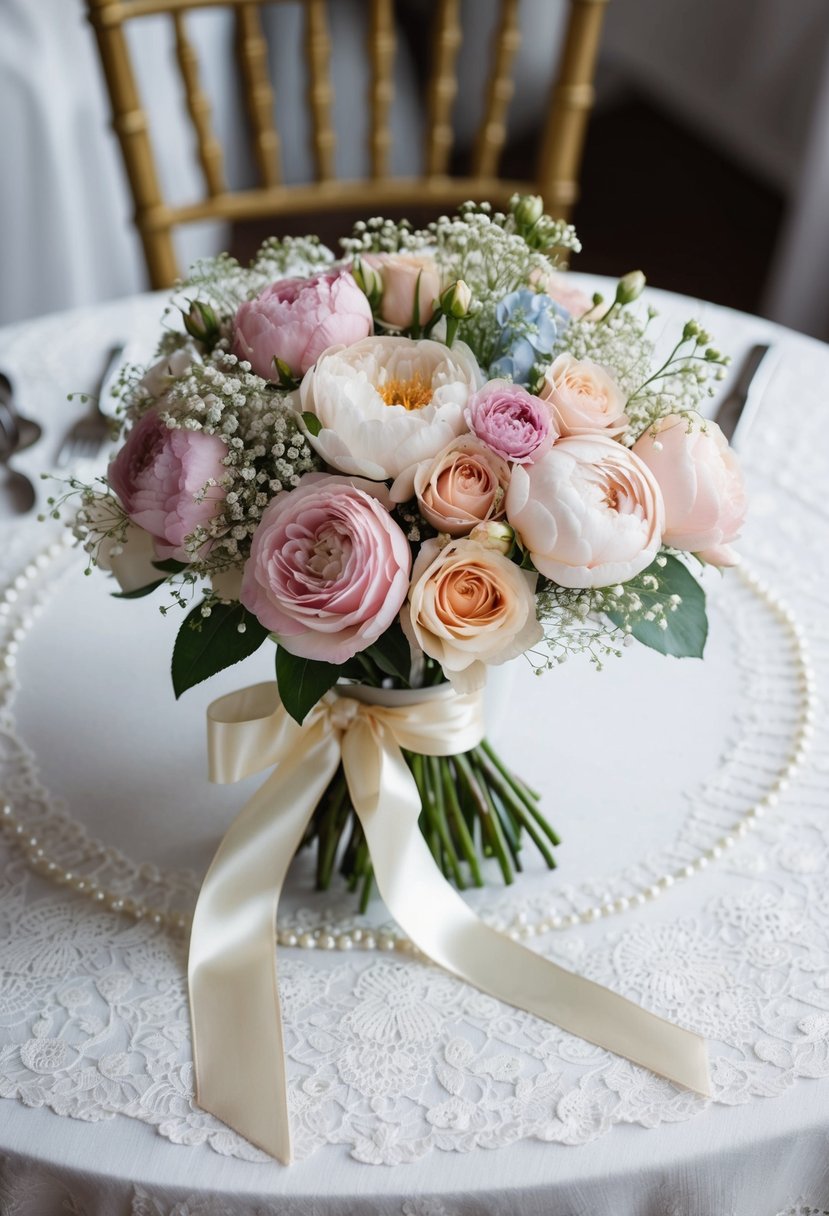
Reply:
x=737, y=412
x=85, y=437
x=19, y=431
x=17, y=493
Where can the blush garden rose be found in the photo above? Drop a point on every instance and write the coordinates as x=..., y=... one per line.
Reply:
x=329, y=568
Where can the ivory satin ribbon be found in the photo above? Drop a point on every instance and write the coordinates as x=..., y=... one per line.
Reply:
x=234, y=999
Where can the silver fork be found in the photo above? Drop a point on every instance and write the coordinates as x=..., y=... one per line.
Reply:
x=85, y=437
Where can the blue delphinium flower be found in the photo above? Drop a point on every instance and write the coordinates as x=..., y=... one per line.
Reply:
x=531, y=323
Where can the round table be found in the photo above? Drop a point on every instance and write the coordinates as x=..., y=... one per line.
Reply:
x=412, y=1095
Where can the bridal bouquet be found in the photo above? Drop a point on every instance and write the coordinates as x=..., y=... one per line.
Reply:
x=409, y=464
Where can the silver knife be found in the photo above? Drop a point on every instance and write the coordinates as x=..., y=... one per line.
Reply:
x=737, y=412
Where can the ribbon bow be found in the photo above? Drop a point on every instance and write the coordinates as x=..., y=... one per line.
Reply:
x=234, y=999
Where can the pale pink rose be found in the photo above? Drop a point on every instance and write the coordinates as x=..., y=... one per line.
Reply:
x=558, y=287
x=590, y=513
x=166, y=480
x=511, y=421
x=295, y=320
x=403, y=275
x=583, y=397
x=469, y=607
x=462, y=486
x=701, y=482
x=329, y=568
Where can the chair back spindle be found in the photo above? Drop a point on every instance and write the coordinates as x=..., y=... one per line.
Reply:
x=381, y=49
x=556, y=174
x=252, y=52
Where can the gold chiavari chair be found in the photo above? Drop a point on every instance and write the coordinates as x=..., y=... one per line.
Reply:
x=559, y=152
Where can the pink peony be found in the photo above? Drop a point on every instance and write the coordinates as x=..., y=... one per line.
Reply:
x=403, y=274
x=508, y=419
x=329, y=568
x=165, y=480
x=590, y=512
x=701, y=482
x=295, y=320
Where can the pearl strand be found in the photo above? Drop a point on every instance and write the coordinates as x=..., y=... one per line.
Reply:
x=15, y=622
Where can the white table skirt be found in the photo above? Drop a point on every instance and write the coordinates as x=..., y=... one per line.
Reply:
x=486, y=1112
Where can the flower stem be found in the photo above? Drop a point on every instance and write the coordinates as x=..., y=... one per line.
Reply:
x=462, y=832
x=490, y=824
x=438, y=808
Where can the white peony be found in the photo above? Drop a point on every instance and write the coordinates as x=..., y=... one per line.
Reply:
x=387, y=403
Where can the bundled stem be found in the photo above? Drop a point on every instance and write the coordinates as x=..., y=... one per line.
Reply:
x=473, y=808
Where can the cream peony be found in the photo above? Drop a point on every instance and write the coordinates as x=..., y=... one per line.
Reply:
x=583, y=397
x=385, y=404
x=701, y=482
x=468, y=607
x=590, y=512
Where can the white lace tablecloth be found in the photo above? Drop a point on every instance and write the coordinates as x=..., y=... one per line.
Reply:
x=411, y=1094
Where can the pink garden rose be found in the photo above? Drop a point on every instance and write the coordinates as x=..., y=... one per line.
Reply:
x=169, y=483
x=462, y=486
x=701, y=483
x=329, y=568
x=583, y=397
x=590, y=512
x=295, y=320
x=511, y=421
x=402, y=275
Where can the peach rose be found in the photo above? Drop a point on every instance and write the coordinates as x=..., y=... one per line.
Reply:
x=465, y=485
x=583, y=397
x=403, y=275
x=470, y=606
x=701, y=483
x=590, y=513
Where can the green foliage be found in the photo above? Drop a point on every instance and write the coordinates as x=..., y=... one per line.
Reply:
x=206, y=645
x=676, y=599
x=302, y=682
x=393, y=655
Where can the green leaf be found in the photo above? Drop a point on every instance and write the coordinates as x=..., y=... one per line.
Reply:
x=312, y=422
x=392, y=654
x=206, y=645
x=303, y=681
x=170, y=566
x=687, y=629
x=139, y=592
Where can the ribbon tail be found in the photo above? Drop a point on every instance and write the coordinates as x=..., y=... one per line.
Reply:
x=238, y=1048
x=445, y=929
